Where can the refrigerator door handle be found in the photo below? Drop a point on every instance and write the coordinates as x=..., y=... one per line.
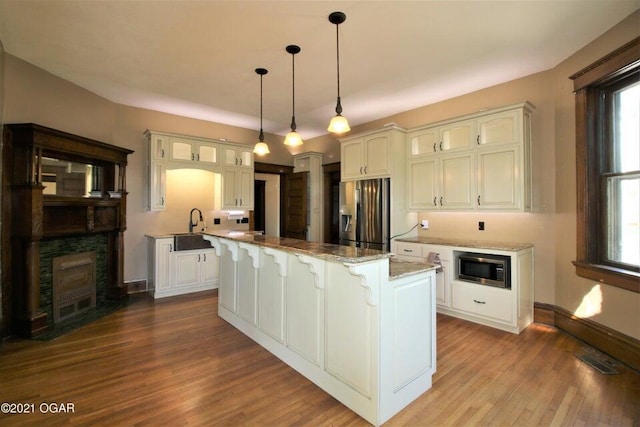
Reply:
x=347, y=223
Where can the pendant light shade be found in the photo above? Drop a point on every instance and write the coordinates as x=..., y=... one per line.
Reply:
x=261, y=148
x=338, y=123
x=293, y=138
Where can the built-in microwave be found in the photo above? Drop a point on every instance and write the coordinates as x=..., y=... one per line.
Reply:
x=487, y=269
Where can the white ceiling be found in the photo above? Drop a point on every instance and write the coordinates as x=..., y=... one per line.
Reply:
x=197, y=58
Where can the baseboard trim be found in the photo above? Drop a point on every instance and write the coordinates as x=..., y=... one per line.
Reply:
x=136, y=286
x=620, y=346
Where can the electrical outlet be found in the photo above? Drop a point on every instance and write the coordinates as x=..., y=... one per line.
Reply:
x=245, y=220
x=425, y=224
x=216, y=221
x=481, y=225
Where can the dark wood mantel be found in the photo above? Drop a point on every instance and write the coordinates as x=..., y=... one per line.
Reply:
x=29, y=215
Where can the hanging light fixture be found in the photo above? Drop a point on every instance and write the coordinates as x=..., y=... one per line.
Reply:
x=293, y=138
x=338, y=123
x=261, y=148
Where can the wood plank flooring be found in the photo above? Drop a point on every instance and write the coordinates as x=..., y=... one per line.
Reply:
x=175, y=362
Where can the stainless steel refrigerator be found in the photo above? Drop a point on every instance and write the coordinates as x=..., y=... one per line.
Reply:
x=364, y=213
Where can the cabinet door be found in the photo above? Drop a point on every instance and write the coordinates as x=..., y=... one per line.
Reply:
x=500, y=128
x=229, y=188
x=182, y=149
x=352, y=158
x=227, y=296
x=457, y=187
x=157, y=184
x=498, y=177
x=209, y=267
x=377, y=156
x=444, y=276
x=245, y=185
x=457, y=136
x=159, y=147
x=208, y=153
x=247, y=287
x=423, y=184
x=245, y=157
x=187, y=268
x=423, y=142
x=163, y=267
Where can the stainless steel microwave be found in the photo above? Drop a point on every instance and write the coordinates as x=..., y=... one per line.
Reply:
x=487, y=269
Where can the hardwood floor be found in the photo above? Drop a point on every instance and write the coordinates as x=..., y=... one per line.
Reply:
x=175, y=362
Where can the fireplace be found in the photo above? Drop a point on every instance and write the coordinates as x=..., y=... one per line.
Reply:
x=66, y=238
x=74, y=284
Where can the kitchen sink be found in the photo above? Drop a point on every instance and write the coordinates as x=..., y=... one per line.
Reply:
x=190, y=241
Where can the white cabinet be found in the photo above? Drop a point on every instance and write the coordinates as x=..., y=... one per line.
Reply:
x=179, y=272
x=196, y=269
x=237, y=188
x=370, y=155
x=479, y=162
x=160, y=271
x=237, y=156
x=158, y=154
x=419, y=252
x=233, y=161
x=193, y=150
x=507, y=309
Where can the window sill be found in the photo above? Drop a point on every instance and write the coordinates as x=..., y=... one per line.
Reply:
x=612, y=276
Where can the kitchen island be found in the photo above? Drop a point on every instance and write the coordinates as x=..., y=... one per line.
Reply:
x=357, y=325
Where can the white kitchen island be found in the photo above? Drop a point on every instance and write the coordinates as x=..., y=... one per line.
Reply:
x=359, y=326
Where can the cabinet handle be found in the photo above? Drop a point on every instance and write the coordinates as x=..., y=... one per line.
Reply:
x=479, y=302
x=241, y=161
x=434, y=201
x=434, y=147
x=170, y=247
x=478, y=200
x=162, y=201
x=162, y=153
x=236, y=161
x=440, y=200
x=478, y=139
x=198, y=257
x=408, y=250
x=204, y=257
x=198, y=156
x=365, y=170
x=440, y=145
x=240, y=202
x=236, y=202
x=360, y=170
x=192, y=157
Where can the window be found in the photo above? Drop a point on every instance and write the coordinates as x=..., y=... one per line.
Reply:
x=608, y=168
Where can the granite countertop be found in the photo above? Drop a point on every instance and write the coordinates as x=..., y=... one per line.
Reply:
x=398, y=269
x=478, y=244
x=326, y=251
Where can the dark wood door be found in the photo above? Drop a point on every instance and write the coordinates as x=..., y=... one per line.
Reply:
x=257, y=217
x=294, y=209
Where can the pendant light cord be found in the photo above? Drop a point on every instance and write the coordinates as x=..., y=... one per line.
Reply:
x=338, y=59
x=293, y=92
x=261, y=136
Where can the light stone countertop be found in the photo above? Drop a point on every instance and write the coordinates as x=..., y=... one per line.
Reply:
x=326, y=251
x=398, y=269
x=477, y=244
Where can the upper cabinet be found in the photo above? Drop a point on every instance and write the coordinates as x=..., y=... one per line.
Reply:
x=476, y=162
x=370, y=155
x=233, y=161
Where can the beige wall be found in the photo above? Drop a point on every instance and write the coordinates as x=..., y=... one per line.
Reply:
x=33, y=95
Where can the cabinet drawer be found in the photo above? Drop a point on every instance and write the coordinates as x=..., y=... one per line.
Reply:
x=409, y=250
x=482, y=300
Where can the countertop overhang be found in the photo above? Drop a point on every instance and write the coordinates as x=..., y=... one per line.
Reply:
x=477, y=244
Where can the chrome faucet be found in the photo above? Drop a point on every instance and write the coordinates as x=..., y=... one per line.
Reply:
x=191, y=223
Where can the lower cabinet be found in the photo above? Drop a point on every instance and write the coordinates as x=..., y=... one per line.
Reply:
x=507, y=309
x=179, y=272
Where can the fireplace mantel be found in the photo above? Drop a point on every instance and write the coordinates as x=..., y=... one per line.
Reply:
x=30, y=153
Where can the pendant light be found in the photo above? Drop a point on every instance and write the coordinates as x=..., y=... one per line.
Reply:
x=261, y=148
x=293, y=138
x=338, y=123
